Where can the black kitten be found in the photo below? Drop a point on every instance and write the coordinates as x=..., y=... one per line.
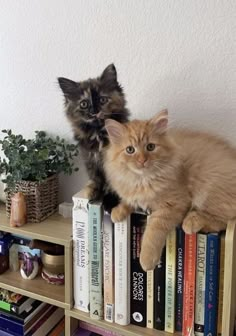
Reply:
x=88, y=104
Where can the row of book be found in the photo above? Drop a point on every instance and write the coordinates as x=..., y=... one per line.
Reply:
x=188, y=284
x=184, y=293
x=23, y=316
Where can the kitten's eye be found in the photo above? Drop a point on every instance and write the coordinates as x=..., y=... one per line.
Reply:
x=130, y=149
x=84, y=104
x=151, y=147
x=103, y=100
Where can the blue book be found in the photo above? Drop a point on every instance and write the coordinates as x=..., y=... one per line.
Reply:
x=4, y=333
x=16, y=325
x=12, y=327
x=179, y=278
x=212, y=283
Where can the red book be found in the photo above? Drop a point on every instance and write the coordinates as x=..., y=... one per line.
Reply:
x=189, y=284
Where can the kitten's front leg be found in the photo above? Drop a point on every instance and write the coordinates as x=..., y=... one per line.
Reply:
x=120, y=212
x=90, y=191
x=159, y=224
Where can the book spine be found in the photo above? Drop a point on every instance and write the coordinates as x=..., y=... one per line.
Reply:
x=11, y=327
x=96, y=263
x=189, y=284
x=200, y=284
x=150, y=299
x=81, y=254
x=122, y=272
x=221, y=285
x=212, y=279
x=138, y=299
x=170, y=282
x=41, y=321
x=108, y=264
x=160, y=292
x=180, y=235
x=47, y=322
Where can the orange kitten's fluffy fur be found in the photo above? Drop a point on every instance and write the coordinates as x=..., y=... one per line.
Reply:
x=181, y=176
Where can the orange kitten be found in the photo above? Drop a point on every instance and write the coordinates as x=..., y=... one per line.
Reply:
x=179, y=175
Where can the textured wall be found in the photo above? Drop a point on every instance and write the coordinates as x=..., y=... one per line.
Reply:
x=176, y=54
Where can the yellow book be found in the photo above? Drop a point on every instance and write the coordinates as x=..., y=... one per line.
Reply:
x=170, y=282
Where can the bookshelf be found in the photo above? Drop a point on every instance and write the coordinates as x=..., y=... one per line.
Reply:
x=58, y=230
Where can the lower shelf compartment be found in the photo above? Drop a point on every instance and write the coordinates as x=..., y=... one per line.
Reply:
x=37, y=288
x=130, y=330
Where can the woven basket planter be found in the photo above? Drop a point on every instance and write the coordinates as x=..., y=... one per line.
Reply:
x=41, y=198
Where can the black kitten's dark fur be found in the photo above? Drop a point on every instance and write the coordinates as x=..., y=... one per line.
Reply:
x=88, y=104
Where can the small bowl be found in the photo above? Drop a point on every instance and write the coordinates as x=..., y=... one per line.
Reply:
x=53, y=263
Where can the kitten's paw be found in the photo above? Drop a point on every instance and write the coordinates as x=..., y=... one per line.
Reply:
x=119, y=213
x=90, y=191
x=192, y=223
x=149, y=258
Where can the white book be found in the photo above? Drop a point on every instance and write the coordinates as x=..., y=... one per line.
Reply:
x=81, y=253
x=96, y=263
x=122, y=272
x=200, y=284
x=108, y=263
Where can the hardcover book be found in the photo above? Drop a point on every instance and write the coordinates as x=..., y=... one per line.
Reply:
x=108, y=268
x=170, y=281
x=96, y=262
x=138, y=302
x=81, y=253
x=122, y=272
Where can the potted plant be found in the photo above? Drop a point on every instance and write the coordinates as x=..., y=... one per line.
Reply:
x=32, y=167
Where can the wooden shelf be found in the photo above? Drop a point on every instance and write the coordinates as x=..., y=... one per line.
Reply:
x=54, y=229
x=37, y=288
x=130, y=330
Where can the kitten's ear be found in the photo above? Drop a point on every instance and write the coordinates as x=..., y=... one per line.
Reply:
x=69, y=87
x=160, y=121
x=115, y=130
x=109, y=74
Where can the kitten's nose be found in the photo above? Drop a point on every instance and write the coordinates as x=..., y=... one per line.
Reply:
x=141, y=160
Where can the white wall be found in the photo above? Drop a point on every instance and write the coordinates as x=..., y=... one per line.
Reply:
x=168, y=53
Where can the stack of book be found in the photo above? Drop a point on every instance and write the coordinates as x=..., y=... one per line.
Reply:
x=184, y=293
x=20, y=316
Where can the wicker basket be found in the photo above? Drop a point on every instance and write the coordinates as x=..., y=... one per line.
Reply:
x=41, y=198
